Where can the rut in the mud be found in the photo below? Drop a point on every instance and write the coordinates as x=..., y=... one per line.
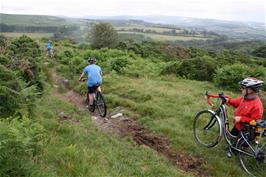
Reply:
x=123, y=126
x=127, y=127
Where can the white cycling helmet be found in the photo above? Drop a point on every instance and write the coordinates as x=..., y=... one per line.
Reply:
x=253, y=83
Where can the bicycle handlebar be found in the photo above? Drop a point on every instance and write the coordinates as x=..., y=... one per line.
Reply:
x=220, y=95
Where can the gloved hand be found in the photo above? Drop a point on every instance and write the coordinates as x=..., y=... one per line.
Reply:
x=223, y=98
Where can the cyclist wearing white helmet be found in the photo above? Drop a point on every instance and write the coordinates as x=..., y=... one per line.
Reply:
x=252, y=83
x=94, y=73
x=249, y=106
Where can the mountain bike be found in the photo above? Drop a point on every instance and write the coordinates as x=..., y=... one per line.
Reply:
x=250, y=145
x=98, y=102
x=50, y=53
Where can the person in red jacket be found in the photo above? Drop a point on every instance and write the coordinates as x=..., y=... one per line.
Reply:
x=248, y=106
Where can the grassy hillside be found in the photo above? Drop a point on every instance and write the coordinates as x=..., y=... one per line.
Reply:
x=147, y=82
x=75, y=147
x=160, y=37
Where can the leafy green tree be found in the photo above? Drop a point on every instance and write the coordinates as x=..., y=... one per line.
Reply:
x=104, y=35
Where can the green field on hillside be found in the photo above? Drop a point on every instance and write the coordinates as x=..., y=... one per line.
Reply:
x=160, y=37
x=157, y=29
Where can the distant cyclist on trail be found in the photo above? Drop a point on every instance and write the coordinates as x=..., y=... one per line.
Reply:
x=94, y=74
x=249, y=106
x=49, y=47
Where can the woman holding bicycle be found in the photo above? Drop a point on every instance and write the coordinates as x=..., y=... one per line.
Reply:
x=247, y=137
x=249, y=106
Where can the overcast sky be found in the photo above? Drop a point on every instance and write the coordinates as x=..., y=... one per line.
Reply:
x=239, y=10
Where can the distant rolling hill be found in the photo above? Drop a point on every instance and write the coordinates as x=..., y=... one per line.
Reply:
x=234, y=29
x=39, y=20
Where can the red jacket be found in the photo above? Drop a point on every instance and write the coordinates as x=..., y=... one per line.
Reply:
x=248, y=110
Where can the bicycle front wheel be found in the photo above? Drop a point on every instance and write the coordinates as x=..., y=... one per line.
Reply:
x=253, y=163
x=207, y=128
x=101, y=105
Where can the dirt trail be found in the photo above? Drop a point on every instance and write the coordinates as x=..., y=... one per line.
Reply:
x=124, y=126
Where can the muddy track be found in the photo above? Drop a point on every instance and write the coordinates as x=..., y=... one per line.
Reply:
x=124, y=126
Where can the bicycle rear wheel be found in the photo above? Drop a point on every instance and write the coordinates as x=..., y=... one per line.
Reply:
x=207, y=128
x=100, y=104
x=254, y=165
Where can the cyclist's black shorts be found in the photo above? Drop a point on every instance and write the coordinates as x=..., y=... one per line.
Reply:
x=93, y=88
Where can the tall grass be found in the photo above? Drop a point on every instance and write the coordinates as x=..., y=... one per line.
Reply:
x=167, y=106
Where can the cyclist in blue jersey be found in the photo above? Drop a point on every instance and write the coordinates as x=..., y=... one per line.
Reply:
x=49, y=47
x=94, y=74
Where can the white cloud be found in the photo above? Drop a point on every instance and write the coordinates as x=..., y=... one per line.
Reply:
x=250, y=10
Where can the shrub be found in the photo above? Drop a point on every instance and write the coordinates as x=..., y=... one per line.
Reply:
x=195, y=52
x=20, y=142
x=25, y=47
x=68, y=53
x=94, y=53
x=20, y=76
x=24, y=54
x=171, y=68
x=9, y=88
x=230, y=57
x=84, y=46
x=77, y=64
x=4, y=60
x=119, y=64
x=197, y=68
x=3, y=43
x=230, y=75
x=15, y=96
x=260, y=52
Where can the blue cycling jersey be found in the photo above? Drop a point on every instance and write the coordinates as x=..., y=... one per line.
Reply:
x=49, y=45
x=94, y=73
